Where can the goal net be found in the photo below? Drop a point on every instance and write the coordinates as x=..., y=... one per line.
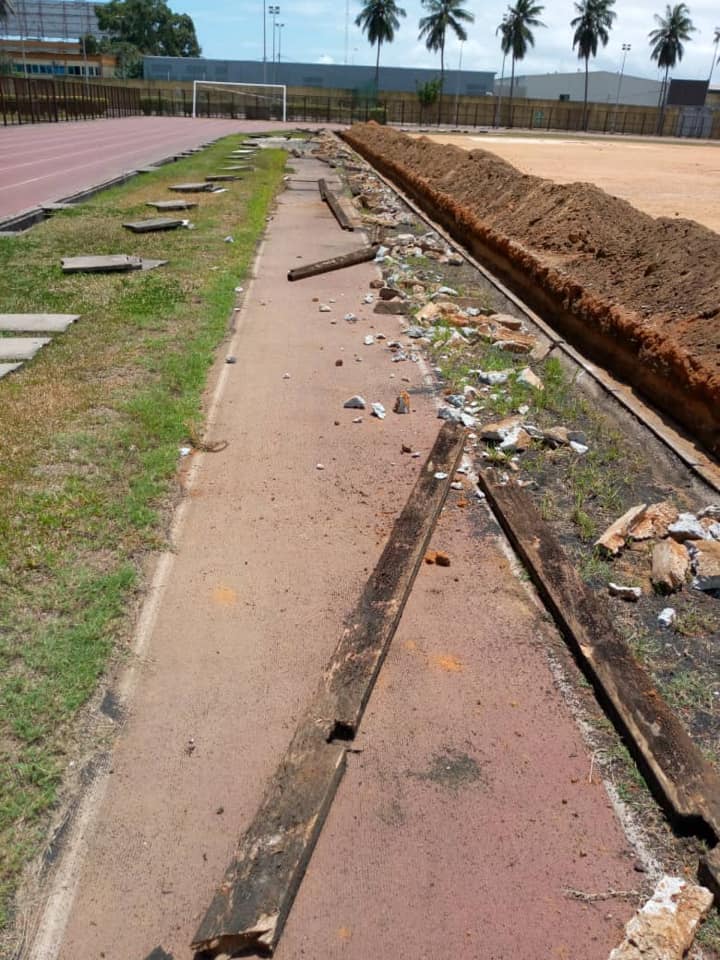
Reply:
x=243, y=101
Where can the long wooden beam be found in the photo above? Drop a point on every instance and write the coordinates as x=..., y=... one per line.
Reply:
x=361, y=255
x=253, y=901
x=332, y=201
x=688, y=782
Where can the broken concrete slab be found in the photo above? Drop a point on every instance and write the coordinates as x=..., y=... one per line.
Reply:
x=654, y=522
x=172, y=204
x=500, y=429
x=147, y=169
x=530, y=379
x=670, y=566
x=613, y=540
x=204, y=187
x=115, y=263
x=21, y=348
x=154, y=225
x=631, y=594
x=665, y=927
x=6, y=368
x=36, y=322
x=706, y=562
x=57, y=207
x=687, y=527
x=221, y=177
x=398, y=308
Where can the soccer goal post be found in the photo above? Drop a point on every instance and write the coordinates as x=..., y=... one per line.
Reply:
x=256, y=97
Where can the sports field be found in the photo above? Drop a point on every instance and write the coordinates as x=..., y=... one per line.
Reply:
x=668, y=179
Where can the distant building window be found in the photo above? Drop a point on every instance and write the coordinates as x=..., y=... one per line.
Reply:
x=564, y=96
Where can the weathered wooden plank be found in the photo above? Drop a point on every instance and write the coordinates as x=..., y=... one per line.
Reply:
x=21, y=348
x=153, y=225
x=6, y=368
x=332, y=201
x=688, y=783
x=362, y=255
x=36, y=322
x=172, y=204
x=255, y=897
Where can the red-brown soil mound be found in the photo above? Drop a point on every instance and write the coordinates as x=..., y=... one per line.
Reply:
x=640, y=295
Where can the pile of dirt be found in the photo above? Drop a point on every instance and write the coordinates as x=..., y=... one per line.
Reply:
x=641, y=295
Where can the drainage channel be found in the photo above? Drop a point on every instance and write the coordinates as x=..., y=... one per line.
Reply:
x=20, y=223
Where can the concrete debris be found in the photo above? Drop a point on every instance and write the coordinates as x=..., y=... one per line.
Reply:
x=319, y=466
x=506, y=320
x=415, y=333
x=687, y=527
x=493, y=378
x=355, y=403
x=711, y=511
x=350, y=317
x=445, y=292
x=369, y=340
x=654, y=521
x=579, y=448
x=665, y=927
x=456, y=485
x=500, y=429
x=706, y=564
x=452, y=416
x=517, y=440
x=393, y=308
x=456, y=400
x=530, y=379
x=229, y=239
x=670, y=566
x=613, y=540
x=286, y=376
x=557, y=436
x=324, y=308
x=391, y=293
x=515, y=342
x=368, y=298
x=358, y=420
x=440, y=475
x=402, y=403
x=230, y=359
x=631, y=594
x=667, y=617
x=378, y=410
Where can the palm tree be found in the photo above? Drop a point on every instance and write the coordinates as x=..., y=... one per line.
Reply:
x=443, y=14
x=592, y=25
x=666, y=45
x=517, y=35
x=379, y=19
x=715, y=59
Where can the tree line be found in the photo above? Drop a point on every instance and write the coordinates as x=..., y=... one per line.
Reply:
x=380, y=20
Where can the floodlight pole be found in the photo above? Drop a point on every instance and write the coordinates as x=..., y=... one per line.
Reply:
x=264, y=41
x=626, y=47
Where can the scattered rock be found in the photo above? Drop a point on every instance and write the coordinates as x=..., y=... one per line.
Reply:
x=440, y=475
x=530, y=379
x=632, y=594
x=391, y=293
x=369, y=340
x=319, y=466
x=500, y=429
x=506, y=320
x=351, y=318
x=378, y=410
x=579, y=448
x=338, y=363
x=415, y=333
x=654, y=521
x=613, y=540
x=557, y=436
x=402, y=403
x=664, y=928
x=358, y=420
x=670, y=566
x=442, y=559
x=393, y=308
x=711, y=511
x=667, y=617
x=456, y=485
x=230, y=359
x=514, y=342
x=493, y=378
x=405, y=448
x=286, y=376
x=687, y=527
x=706, y=563
x=517, y=440
x=324, y=308
x=355, y=403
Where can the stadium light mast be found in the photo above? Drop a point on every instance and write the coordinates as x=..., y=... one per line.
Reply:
x=273, y=10
x=626, y=48
x=347, y=30
x=264, y=9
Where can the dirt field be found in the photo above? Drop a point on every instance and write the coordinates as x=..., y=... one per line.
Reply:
x=663, y=179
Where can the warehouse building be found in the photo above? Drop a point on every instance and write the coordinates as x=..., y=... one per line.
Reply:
x=602, y=87
x=328, y=76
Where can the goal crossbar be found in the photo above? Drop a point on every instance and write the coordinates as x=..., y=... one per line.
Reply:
x=226, y=83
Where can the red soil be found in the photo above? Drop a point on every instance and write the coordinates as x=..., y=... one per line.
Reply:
x=649, y=288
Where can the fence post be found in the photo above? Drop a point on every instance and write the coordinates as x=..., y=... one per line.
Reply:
x=2, y=102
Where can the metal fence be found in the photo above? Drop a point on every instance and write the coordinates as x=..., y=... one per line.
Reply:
x=39, y=100
x=42, y=101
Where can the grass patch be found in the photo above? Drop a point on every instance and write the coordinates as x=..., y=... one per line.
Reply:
x=90, y=432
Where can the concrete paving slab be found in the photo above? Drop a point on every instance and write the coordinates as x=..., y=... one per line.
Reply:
x=57, y=207
x=21, y=348
x=172, y=204
x=203, y=187
x=114, y=263
x=37, y=322
x=221, y=177
x=154, y=225
x=6, y=368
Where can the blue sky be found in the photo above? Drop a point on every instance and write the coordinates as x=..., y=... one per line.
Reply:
x=315, y=32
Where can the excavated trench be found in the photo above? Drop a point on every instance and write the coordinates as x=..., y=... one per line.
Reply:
x=635, y=294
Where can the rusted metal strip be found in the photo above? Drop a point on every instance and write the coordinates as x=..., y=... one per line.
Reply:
x=362, y=255
x=252, y=903
x=688, y=783
x=332, y=201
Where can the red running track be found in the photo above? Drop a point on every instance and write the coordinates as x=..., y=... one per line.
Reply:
x=43, y=163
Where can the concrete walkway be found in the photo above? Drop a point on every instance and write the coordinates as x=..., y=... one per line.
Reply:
x=468, y=811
